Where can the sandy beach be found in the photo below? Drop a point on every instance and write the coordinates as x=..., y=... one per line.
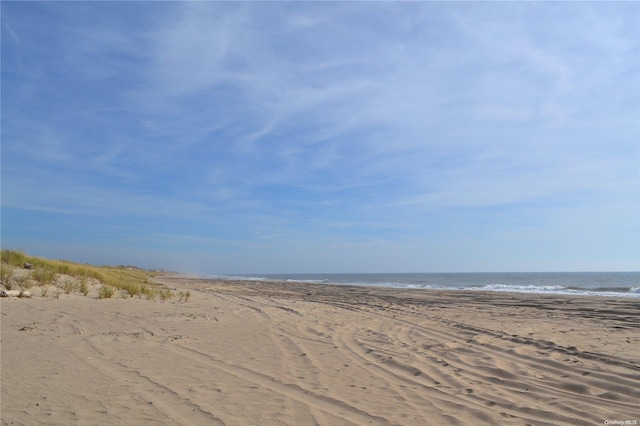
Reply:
x=252, y=353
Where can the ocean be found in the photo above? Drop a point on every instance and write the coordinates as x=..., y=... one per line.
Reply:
x=619, y=284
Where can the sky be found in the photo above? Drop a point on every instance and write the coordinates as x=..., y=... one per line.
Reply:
x=311, y=137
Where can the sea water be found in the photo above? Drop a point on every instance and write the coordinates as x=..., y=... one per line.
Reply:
x=620, y=284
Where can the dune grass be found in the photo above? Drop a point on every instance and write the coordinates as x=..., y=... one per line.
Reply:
x=184, y=296
x=44, y=275
x=6, y=271
x=134, y=281
x=106, y=292
x=84, y=286
x=69, y=287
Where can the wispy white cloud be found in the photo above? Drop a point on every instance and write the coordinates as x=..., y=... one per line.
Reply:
x=334, y=120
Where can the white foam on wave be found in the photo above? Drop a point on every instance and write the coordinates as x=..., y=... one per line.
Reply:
x=555, y=289
x=236, y=278
x=525, y=288
x=499, y=287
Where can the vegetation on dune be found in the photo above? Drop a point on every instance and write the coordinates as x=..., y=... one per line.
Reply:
x=6, y=272
x=106, y=292
x=129, y=281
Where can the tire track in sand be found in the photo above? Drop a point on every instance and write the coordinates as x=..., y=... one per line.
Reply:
x=519, y=398
x=323, y=403
x=451, y=365
x=178, y=408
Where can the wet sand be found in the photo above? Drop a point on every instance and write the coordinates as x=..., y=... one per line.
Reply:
x=251, y=353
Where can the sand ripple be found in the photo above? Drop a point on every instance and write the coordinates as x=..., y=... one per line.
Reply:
x=248, y=353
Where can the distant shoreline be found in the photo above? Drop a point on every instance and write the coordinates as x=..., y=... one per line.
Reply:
x=598, y=284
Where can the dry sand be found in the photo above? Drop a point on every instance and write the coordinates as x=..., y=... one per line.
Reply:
x=252, y=353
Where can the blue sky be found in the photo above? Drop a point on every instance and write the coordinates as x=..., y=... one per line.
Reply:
x=216, y=137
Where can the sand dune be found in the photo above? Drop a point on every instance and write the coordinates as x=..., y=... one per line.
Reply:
x=250, y=353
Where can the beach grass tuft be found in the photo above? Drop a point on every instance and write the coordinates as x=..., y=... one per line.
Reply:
x=6, y=271
x=106, y=292
x=69, y=286
x=150, y=293
x=165, y=294
x=44, y=276
x=84, y=286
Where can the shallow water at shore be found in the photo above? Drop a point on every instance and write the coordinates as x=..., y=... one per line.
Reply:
x=618, y=284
